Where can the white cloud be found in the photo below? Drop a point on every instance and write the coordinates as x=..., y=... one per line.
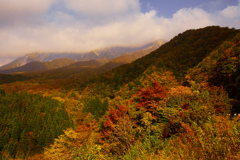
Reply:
x=232, y=12
x=103, y=7
x=184, y=19
x=19, y=11
x=81, y=27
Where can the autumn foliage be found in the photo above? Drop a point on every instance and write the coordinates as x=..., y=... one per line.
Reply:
x=174, y=103
x=150, y=97
x=116, y=135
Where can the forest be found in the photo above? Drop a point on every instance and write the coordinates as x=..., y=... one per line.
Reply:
x=181, y=101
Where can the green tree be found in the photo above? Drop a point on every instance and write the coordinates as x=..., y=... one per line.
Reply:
x=2, y=92
x=96, y=107
x=15, y=131
x=23, y=143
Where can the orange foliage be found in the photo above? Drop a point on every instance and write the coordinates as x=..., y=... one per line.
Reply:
x=180, y=91
x=150, y=96
x=116, y=135
x=112, y=119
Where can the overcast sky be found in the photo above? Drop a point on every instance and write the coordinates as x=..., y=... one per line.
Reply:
x=81, y=25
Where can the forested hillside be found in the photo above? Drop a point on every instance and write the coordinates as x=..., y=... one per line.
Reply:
x=221, y=67
x=173, y=103
x=184, y=51
x=30, y=122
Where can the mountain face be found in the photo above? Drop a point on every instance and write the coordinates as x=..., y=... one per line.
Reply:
x=130, y=56
x=54, y=60
x=107, y=53
x=39, y=66
x=32, y=66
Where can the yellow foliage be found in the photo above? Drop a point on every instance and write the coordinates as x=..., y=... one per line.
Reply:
x=74, y=143
x=61, y=100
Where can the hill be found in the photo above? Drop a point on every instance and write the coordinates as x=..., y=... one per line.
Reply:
x=178, y=55
x=221, y=67
x=173, y=103
x=157, y=113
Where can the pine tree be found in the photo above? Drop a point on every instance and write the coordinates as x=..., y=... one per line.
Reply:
x=11, y=147
x=105, y=105
x=41, y=139
x=15, y=131
x=2, y=92
x=23, y=146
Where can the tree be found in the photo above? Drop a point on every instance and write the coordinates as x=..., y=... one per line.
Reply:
x=117, y=133
x=96, y=107
x=15, y=131
x=23, y=144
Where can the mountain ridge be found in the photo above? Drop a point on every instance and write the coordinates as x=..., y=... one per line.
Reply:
x=54, y=61
x=109, y=53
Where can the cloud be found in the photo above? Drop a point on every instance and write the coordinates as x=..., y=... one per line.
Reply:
x=79, y=25
x=103, y=7
x=19, y=11
x=184, y=19
x=4, y=60
x=232, y=12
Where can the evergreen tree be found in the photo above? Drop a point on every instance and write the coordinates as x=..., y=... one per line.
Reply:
x=30, y=121
x=11, y=147
x=23, y=143
x=105, y=106
x=15, y=131
x=2, y=92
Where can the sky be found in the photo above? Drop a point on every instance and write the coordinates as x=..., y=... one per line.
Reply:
x=77, y=26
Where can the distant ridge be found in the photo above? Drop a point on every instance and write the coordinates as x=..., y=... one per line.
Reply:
x=54, y=60
x=108, y=53
x=32, y=66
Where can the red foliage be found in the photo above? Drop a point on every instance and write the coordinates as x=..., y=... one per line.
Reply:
x=112, y=119
x=150, y=96
x=172, y=128
x=185, y=106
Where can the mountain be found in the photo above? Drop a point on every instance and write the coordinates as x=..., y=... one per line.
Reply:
x=39, y=66
x=73, y=72
x=88, y=69
x=58, y=63
x=32, y=66
x=108, y=53
x=221, y=67
x=130, y=56
x=101, y=57
x=177, y=94
x=178, y=55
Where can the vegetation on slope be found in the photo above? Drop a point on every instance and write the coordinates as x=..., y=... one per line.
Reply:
x=158, y=119
x=221, y=67
x=178, y=55
x=143, y=110
x=29, y=122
